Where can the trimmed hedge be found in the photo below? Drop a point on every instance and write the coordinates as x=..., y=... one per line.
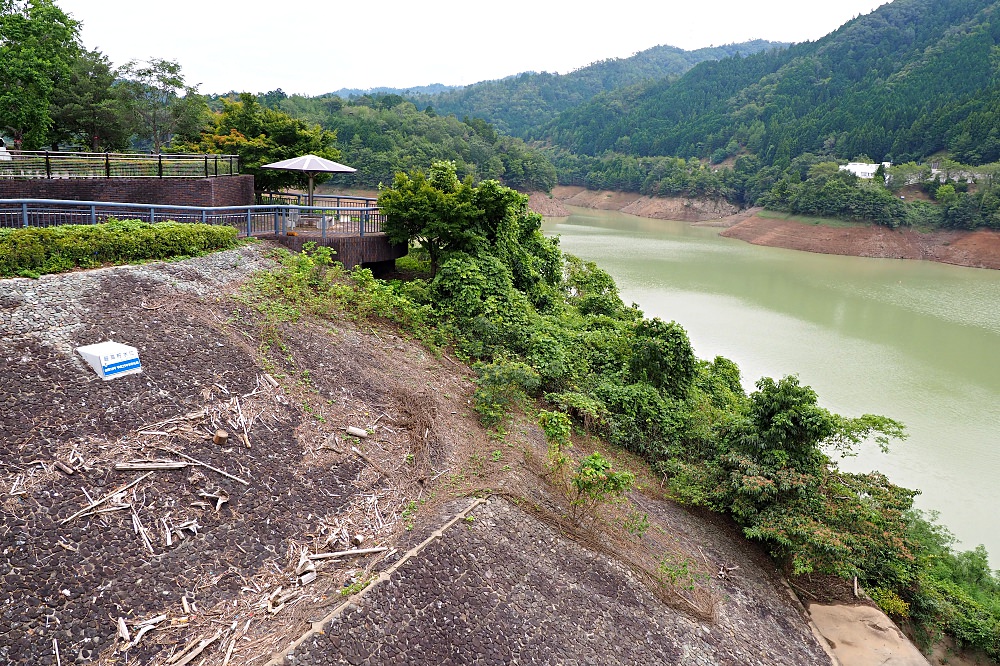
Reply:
x=35, y=251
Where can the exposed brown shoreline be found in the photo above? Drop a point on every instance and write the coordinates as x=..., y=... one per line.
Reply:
x=977, y=249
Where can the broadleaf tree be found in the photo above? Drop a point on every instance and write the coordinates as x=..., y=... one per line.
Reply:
x=37, y=43
x=163, y=105
x=260, y=135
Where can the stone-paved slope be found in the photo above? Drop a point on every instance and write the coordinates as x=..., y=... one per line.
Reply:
x=503, y=588
x=64, y=582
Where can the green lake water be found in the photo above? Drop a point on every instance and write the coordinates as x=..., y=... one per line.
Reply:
x=916, y=341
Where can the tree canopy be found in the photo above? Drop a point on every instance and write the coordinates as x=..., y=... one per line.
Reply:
x=88, y=108
x=162, y=104
x=260, y=135
x=37, y=43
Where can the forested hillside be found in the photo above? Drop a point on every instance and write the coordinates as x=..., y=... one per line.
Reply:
x=908, y=80
x=519, y=105
x=382, y=135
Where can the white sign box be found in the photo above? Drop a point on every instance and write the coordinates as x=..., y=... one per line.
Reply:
x=111, y=359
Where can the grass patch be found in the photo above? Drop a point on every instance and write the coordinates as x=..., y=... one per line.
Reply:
x=808, y=219
x=35, y=251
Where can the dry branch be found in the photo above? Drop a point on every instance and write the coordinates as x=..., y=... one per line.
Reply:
x=347, y=553
x=206, y=465
x=371, y=462
x=143, y=465
x=106, y=498
x=190, y=654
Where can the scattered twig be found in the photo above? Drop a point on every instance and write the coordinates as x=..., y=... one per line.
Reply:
x=189, y=655
x=143, y=465
x=803, y=591
x=141, y=531
x=243, y=421
x=371, y=462
x=347, y=553
x=106, y=498
x=55, y=648
x=204, y=464
x=229, y=652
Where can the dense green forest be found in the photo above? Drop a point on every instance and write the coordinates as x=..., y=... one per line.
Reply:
x=518, y=105
x=382, y=135
x=908, y=80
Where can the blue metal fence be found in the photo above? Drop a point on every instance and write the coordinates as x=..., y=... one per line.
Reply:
x=351, y=220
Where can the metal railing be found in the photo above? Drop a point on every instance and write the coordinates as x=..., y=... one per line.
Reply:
x=249, y=220
x=330, y=200
x=49, y=164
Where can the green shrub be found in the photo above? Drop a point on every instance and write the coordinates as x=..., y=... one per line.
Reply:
x=557, y=428
x=502, y=386
x=40, y=250
x=595, y=481
x=890, y=602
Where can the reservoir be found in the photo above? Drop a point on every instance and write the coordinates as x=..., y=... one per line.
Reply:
x=913, y=340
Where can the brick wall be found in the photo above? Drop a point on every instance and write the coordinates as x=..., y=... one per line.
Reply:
x=227, y=191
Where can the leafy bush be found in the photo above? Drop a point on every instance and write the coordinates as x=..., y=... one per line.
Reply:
x=500, y=387
x=662, y=356
x=557, y=428
x=40, y=250
x=890, y=602
x=596, y=481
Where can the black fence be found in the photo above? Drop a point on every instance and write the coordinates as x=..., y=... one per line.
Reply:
x=47, y=164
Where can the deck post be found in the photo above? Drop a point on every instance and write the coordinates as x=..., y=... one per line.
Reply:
x=24, y=215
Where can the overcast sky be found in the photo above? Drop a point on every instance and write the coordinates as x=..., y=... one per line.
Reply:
x=317, y=46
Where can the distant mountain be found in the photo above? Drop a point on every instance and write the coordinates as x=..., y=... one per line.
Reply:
x=432, y=89
x=912, y=78
x=519, y=104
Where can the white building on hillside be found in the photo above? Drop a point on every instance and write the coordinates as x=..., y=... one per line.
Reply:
x=864, y=170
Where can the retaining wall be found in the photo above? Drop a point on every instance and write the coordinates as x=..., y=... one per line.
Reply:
x=223, y=191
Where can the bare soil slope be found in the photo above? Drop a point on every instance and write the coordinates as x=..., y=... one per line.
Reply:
x=977, y=249
x=660, y=208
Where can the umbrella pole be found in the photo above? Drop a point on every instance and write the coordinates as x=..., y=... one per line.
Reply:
x=310, y=190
